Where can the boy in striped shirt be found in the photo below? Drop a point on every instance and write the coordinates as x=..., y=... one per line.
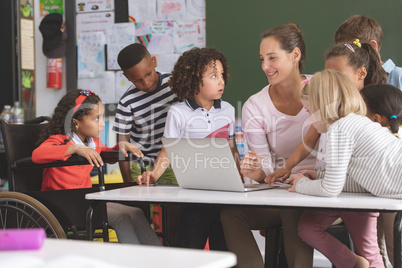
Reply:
x=142, y=110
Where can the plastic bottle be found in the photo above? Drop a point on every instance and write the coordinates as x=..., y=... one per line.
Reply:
x=17, y=114
x=6, y=113
x=239, y=137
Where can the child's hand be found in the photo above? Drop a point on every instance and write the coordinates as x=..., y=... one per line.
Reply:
x=147, y=177
x=279, y=174
x=295, y=179
x=311, y=174
x=90, y=154
x=125, y=147
x=250, y=166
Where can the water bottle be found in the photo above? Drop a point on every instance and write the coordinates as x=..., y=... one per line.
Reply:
x=239, y=137
x=6, y=115
x=17, y=114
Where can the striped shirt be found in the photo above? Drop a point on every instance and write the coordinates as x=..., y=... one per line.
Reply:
x=143, y=115
x=363, y=157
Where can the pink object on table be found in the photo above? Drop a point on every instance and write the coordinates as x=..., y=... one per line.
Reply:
x=21, y=239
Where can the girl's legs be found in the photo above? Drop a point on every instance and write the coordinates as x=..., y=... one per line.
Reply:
x=312, y=226
x=237, y=224
x=298, y=253
x=362, y=227
x=130, y=225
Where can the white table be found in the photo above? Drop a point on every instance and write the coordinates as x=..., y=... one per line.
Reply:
x=73, y=253
x=279, y=197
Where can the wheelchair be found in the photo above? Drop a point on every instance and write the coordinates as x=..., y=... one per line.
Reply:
x=62, y=213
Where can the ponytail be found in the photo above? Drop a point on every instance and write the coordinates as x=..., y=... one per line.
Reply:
x=375, y=73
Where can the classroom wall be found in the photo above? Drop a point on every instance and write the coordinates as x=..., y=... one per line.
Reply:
x=234, y=27
x=46, y=98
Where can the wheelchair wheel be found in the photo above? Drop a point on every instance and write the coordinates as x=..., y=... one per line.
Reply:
x=20, y=211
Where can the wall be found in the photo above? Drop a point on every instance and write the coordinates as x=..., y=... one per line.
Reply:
x=46, y=98
x=234, y=27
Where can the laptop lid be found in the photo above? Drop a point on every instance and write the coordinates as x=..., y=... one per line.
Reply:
x=204, y=164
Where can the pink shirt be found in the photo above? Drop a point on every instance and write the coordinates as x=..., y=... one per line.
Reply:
x=274, y=135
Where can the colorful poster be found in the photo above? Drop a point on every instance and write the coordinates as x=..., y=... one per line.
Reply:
x=94, y=22
x=161, y=38
x=118, y=36
x=50, y=6
x=26, y=9
x=91, y=55
x=188, y=35
x=171, y=9
x=94, y=5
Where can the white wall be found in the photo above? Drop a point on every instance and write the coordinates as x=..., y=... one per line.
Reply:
x=46, y=98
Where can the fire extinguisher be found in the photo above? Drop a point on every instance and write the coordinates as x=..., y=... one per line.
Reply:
x=54, y=73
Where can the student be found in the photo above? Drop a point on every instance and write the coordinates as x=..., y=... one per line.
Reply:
x=360, y=63
x=384, y=106
x=272, y=121
x=198, y=78
x=361, y=157
x=75, y=128
x=142, y=110
x=368, y=30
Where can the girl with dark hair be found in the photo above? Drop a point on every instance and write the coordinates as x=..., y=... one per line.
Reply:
x=75, y=128
x=384, y=106
x=359, y=62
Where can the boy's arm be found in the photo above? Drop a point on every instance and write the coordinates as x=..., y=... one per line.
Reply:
x=161, y=164
x=124, y=165
x=236, y=156
x=302, y=151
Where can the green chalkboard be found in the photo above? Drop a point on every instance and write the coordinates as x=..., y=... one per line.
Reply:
x=234, y=27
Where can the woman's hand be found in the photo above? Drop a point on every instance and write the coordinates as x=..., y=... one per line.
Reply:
x=125, y=146
x=279, y=174
x=147, y=177
x=251, y=167
x=88, y=153
x=295, y=179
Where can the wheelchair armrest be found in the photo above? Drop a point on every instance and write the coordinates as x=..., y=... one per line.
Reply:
x=26, y=162
x=117, y=156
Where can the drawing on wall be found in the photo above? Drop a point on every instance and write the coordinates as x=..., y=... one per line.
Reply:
x=166, y=27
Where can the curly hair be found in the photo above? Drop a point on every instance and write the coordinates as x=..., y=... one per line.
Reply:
x=188, y=72
x=62, y=119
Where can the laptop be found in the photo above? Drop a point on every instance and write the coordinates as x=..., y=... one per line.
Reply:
x=206, y=164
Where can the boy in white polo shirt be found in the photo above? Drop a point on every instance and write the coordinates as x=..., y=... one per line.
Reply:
x=198, y=79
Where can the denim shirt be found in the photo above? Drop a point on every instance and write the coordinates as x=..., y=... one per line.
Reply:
x=394, y=74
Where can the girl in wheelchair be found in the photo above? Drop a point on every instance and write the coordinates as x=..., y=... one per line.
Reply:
x=75, y=128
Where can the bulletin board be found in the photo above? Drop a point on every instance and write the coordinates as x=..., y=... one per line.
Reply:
x=166, y=27
x=235, y=26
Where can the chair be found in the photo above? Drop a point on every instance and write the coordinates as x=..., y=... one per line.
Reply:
x=69, y=207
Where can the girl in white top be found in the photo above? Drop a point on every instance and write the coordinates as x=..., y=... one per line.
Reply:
x=361, y=157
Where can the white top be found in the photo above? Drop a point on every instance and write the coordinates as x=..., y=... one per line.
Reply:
x=273, y=135
x=362, y=156
x=73, y=253
x=188, y=120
